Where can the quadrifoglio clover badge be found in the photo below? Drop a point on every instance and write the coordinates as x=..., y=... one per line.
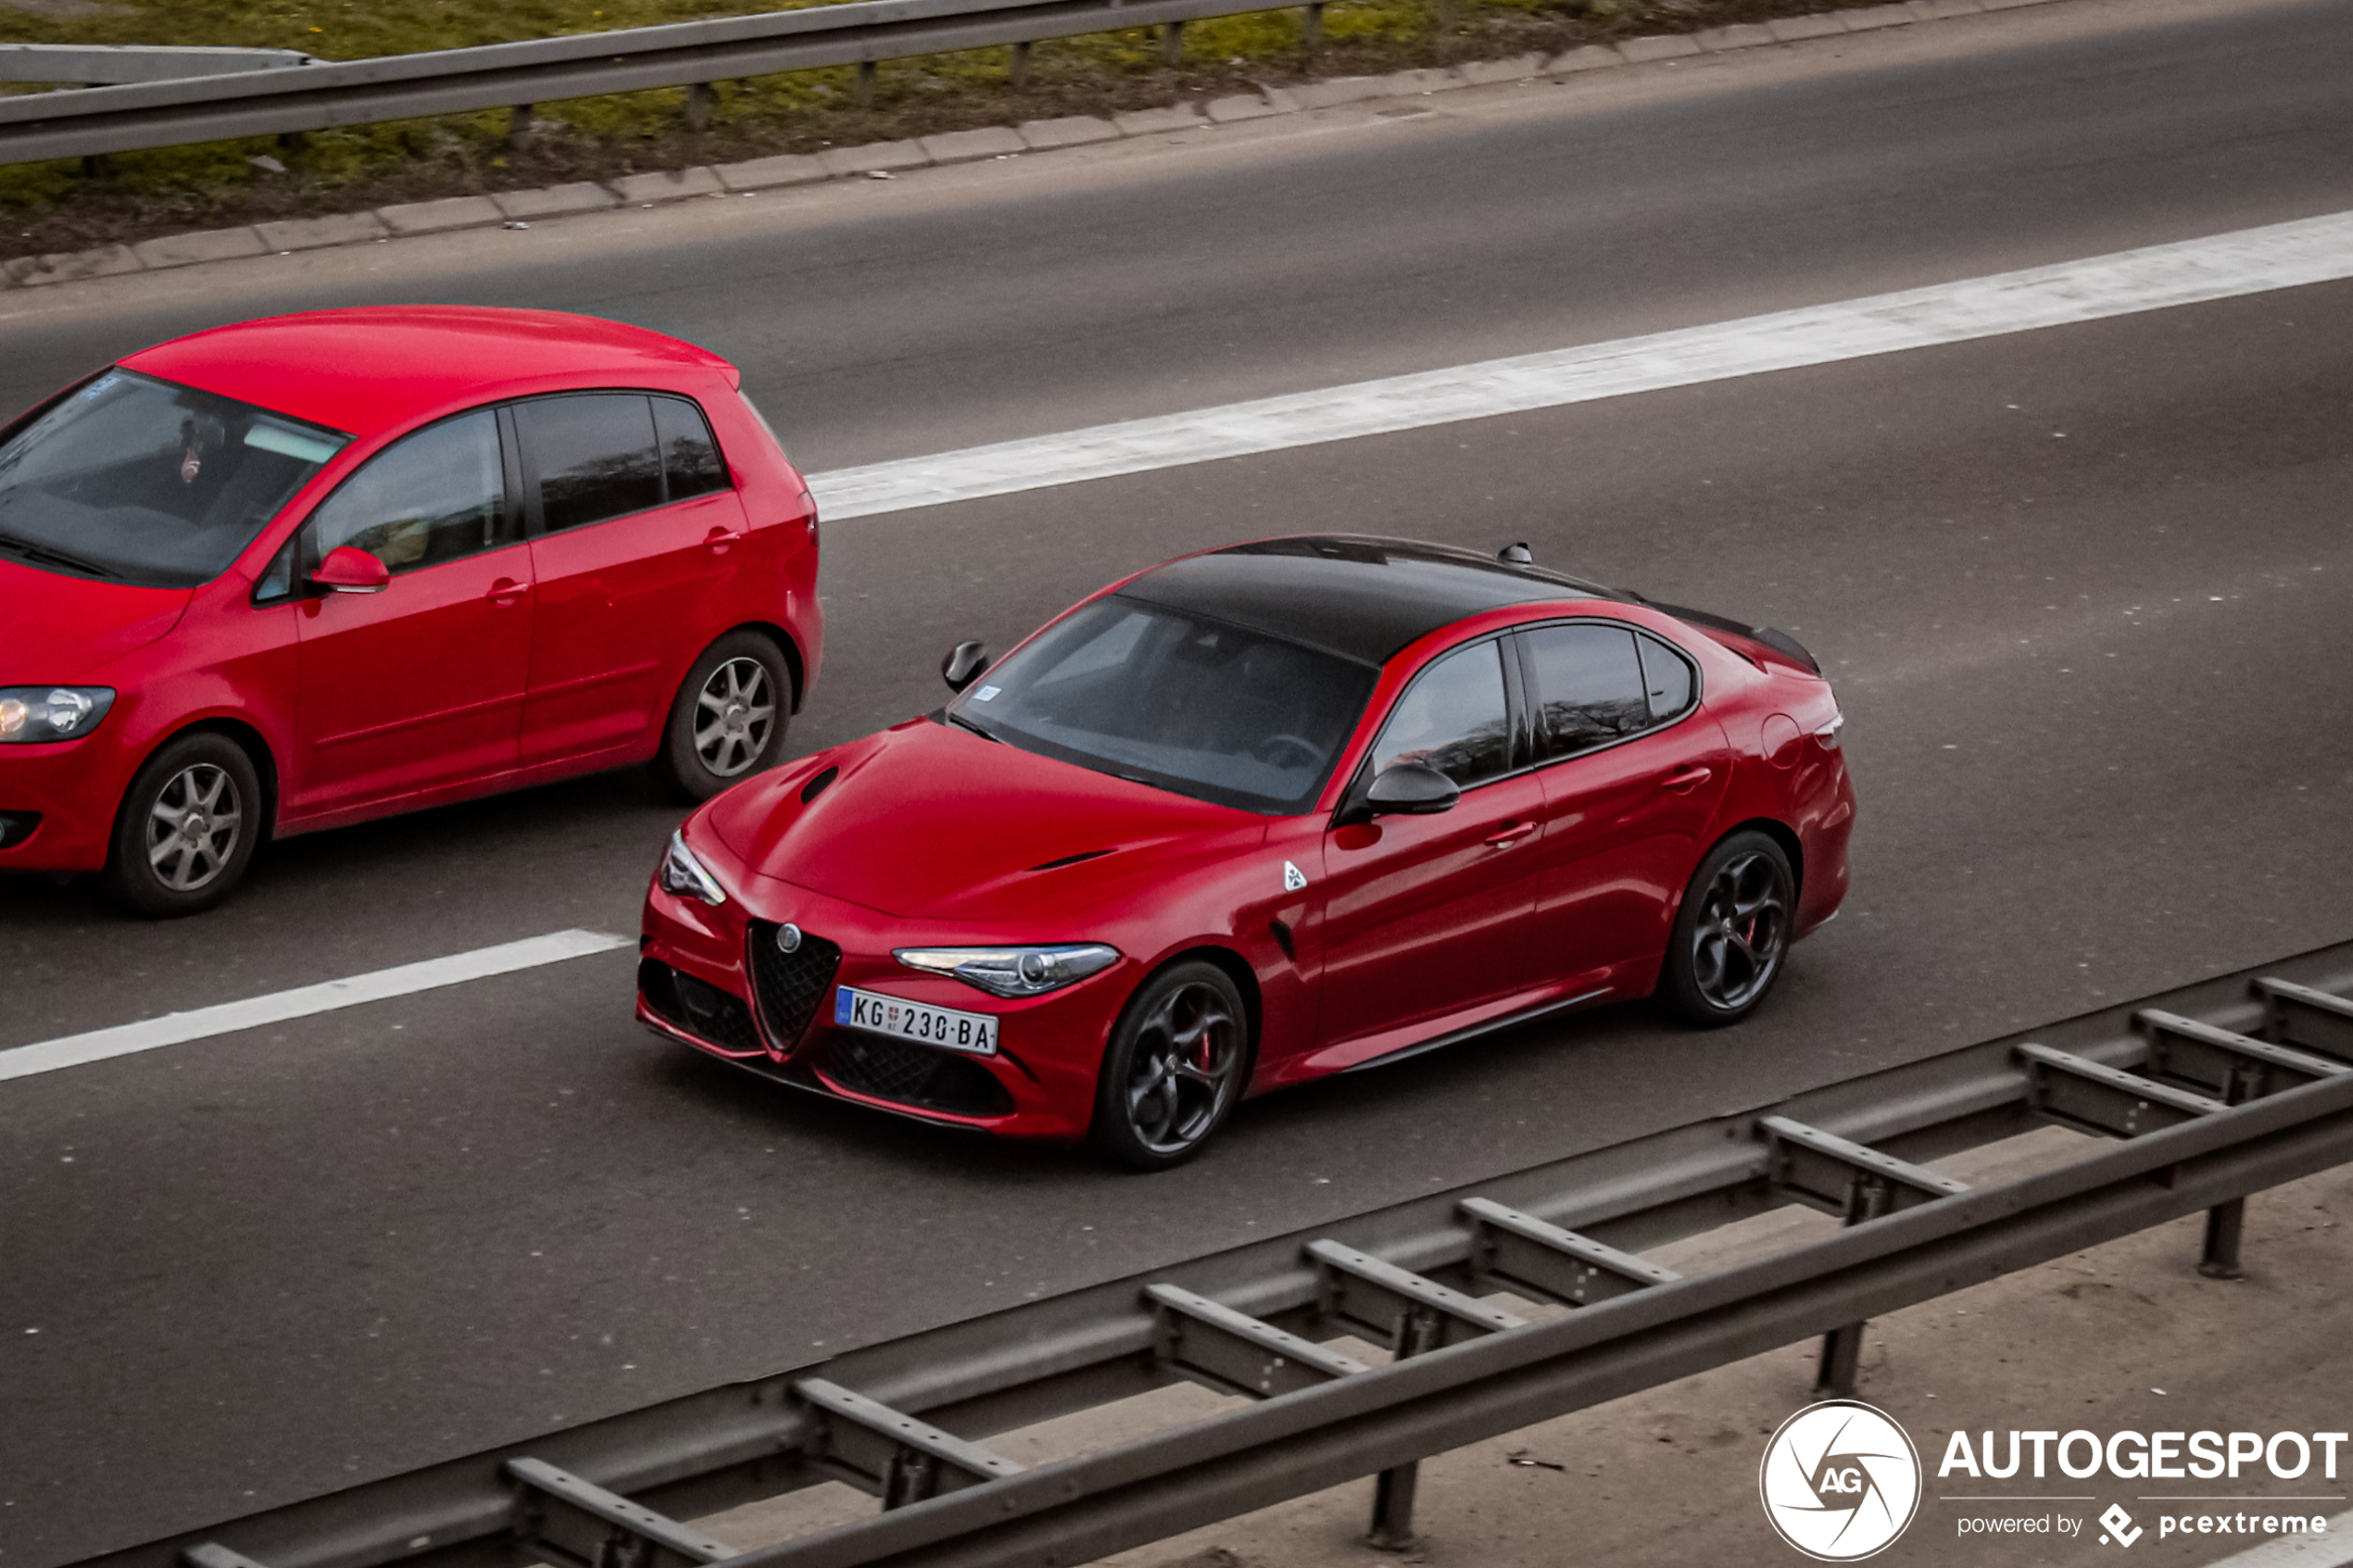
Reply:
x=1840, y=1480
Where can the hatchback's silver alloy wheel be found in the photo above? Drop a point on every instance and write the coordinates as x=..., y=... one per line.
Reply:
x=734, y=712
x=194, y=826
x=1187, y=1055
x=1743, y=931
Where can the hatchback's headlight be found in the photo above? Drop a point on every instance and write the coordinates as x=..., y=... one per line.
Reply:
x=683, y=874
x=29, y=715
x=1012, y=972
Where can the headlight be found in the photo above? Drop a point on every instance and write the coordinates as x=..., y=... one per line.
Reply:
x=1012, y=972
x=29, y=715
x=683, y=874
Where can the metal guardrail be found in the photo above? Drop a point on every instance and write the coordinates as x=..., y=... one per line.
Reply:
x=118, y=63
x=98, y=120
x=2213, y=1097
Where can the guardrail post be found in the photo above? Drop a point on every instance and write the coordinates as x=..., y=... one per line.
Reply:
x=1393, y=1489
x=518, y=124
x=865, y=84
x=2220, y=1258
x=702, y=102
x=1867, y=1199
x=1315, y=28
x=1019, y=70
x=1445, y=16
x=1172, y=44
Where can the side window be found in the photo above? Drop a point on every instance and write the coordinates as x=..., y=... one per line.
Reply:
x=1667, y=675
x=1588, y=687
x=596, y=456
x=432, y=497
x=690, y=463
x=1452, y=717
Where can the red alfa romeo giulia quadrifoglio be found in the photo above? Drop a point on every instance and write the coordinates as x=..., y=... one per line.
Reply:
x=299, y=573
x=1251, y=817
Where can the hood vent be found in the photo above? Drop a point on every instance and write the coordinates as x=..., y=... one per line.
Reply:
x=816, y=787
x=1071, y=860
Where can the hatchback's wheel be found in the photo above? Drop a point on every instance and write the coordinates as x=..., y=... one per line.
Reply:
x=1732, y=932
x=728, y=720
x=1174, y=1067
x=187, y=827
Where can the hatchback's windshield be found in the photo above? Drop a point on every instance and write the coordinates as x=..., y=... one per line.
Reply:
x=138, y=479
x=1178, y=701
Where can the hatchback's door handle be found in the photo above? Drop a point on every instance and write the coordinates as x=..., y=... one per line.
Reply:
x=1687, y=778
x=505, y=591
x=1504, y=838
x=719, y=539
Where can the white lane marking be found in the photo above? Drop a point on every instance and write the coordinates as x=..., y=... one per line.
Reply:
x=2250, y=261
x=227, y=1018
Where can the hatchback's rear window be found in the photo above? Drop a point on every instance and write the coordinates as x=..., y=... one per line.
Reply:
x=148, y=482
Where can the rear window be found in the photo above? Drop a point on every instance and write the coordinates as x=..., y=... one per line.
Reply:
x=139, y=479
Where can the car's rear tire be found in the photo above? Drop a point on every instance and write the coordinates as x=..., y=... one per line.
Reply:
x=1732, y=932
x=1174, y=1067
x=728, y=720
x=187, y=827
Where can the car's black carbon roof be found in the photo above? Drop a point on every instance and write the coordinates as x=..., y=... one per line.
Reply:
x=1360, y=598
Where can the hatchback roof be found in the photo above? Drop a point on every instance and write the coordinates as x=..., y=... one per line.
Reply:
x=367, y=369
x=1362, y=597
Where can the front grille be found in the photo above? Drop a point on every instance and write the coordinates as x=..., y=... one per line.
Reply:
x=701, y=1010
x=913, y=1075
x=789, y=985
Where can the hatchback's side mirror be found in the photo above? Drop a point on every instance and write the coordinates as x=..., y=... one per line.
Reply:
x=349, y=570
x=964, y=664
x=1412, y=789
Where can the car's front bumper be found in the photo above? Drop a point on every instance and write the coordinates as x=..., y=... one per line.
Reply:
x=59, y=800
x=704, y=981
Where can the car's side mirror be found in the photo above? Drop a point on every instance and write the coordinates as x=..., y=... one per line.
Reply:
x=1412, y=789
x=349, y=570
x=964, y=664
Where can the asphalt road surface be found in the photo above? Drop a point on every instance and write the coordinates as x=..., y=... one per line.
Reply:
x=2088, y=594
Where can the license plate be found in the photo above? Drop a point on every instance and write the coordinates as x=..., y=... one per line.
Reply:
x=903, y=1020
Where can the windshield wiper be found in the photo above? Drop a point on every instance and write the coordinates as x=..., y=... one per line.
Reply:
x=34, y=550
x=956, y=718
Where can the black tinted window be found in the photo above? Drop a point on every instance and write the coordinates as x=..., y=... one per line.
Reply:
x=1669, y=678
x=595, y=454
x=1589, y=686
x=1177, y=701
x=690, y=462
x=1453, y=718
x=432, y=497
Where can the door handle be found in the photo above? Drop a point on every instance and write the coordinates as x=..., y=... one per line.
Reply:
x=1682, y=779
x=505, y=591
x=1509, y=834
x=719, y=539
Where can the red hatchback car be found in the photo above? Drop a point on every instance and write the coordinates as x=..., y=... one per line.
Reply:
x=1251, y=817
x=303, y=572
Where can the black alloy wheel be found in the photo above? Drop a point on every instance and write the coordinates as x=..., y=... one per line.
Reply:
x=1174, y=1067
x=1732, y=932
x=728, y=721
x=186, y=828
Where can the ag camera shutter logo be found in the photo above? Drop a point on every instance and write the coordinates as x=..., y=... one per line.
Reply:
x=1840, y=1481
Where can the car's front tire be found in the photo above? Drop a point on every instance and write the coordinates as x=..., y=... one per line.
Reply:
x=187, y=827
x=1732, y=934
x=727, y=722
x=1174, y=1067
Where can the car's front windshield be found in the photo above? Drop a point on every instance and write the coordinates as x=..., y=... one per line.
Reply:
x=135, y=477
x=1176, y=700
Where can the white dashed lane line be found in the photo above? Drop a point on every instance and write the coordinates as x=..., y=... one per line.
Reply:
x=2281, y=256
x=228, y=1018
